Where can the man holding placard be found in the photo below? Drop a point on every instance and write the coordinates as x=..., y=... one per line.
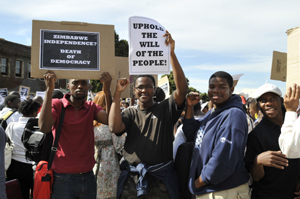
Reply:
x=148, y=149
x=74, y=159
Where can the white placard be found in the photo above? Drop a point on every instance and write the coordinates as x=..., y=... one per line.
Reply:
x=148, y=53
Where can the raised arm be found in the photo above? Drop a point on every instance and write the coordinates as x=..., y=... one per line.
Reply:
x=102, y=117
x=191, y=100
x=115, y=119
x=290, y=133
x=45, y=120
x=179, y=77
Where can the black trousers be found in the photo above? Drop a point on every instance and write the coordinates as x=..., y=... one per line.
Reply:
x=24, y=173
x=182, y=166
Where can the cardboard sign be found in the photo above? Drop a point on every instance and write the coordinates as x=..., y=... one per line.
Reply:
x=163, y=83
x=236, y=79
x=40, y=93
x=69, y=50
x=3, y=92
x=3, y=95
x=293, y=57
x=148, y=53
x=73, y=50
x=2, y=99
x=279, y=62
x=24, y=92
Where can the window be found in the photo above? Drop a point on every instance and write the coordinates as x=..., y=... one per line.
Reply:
x=29, y=69
x=4, y=66
x=18, y=68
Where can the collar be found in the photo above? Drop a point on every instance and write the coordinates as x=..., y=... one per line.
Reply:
x=269, y=123
x=24, y=119
x=66, y=102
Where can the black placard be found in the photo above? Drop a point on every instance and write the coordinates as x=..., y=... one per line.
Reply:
x=69, y=50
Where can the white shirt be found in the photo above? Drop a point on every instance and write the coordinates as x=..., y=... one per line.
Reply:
x=179, y=139
x=15, y=129
x=289, y=139
x=13, y=118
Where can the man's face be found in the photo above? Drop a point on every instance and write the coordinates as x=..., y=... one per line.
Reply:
x=144, y=89
x=78, y=88
x=270, y=105
x=219, y=91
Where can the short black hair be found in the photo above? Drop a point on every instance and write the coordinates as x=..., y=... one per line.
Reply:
x=224, y=75
x=57, y=94
x=10, y=98
x=28, y=107
x=15, y=93
x=150, y=76
x=159, y=94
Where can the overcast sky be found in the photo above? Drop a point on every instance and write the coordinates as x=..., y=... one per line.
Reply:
x=236, y=36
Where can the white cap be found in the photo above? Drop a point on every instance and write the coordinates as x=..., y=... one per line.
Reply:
x=267, y=88
x=203, y=105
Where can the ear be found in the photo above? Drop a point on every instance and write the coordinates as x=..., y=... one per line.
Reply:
x=281, y=100
x=10, y=104
x=68, y=85
x=231, y=90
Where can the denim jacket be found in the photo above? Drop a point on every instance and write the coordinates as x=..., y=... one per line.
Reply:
x=163, y=171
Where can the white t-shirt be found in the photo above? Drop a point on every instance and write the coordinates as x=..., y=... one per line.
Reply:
x=289, y=139
x=13, y=118
x=15, y=129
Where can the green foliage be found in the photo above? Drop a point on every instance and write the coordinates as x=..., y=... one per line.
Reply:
x=96, y=85
x=192, y=89
x=204, y=97
x=121, y=50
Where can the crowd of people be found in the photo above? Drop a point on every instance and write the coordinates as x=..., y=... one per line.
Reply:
x=177, y=148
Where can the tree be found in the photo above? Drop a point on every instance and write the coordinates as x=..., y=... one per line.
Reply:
x=121, y=47
x=204, y=97
x=121, y=50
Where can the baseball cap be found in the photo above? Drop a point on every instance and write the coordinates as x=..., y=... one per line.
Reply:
x=267, y=88
x=204, y=105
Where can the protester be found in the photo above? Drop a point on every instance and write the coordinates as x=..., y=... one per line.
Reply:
x=125, y=105
x=57, y=94
x=12, y=103
x=289, y=139
x=159, y=94
x=21, y=168
x=11, y=93
x=149, y=127
x=204, y=107
x=74, y=159
x=107, y=145
x=39, y=99
x=182, y=154
x=274, y=176
x=217, y=167
x=2, y=168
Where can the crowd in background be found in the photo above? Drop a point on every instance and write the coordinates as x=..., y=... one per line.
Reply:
x=159, y=146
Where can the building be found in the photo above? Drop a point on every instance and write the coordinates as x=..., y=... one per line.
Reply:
x=15, y=62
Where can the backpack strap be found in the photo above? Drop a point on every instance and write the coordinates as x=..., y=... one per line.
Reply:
x=8, y=114
x=58, y=130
